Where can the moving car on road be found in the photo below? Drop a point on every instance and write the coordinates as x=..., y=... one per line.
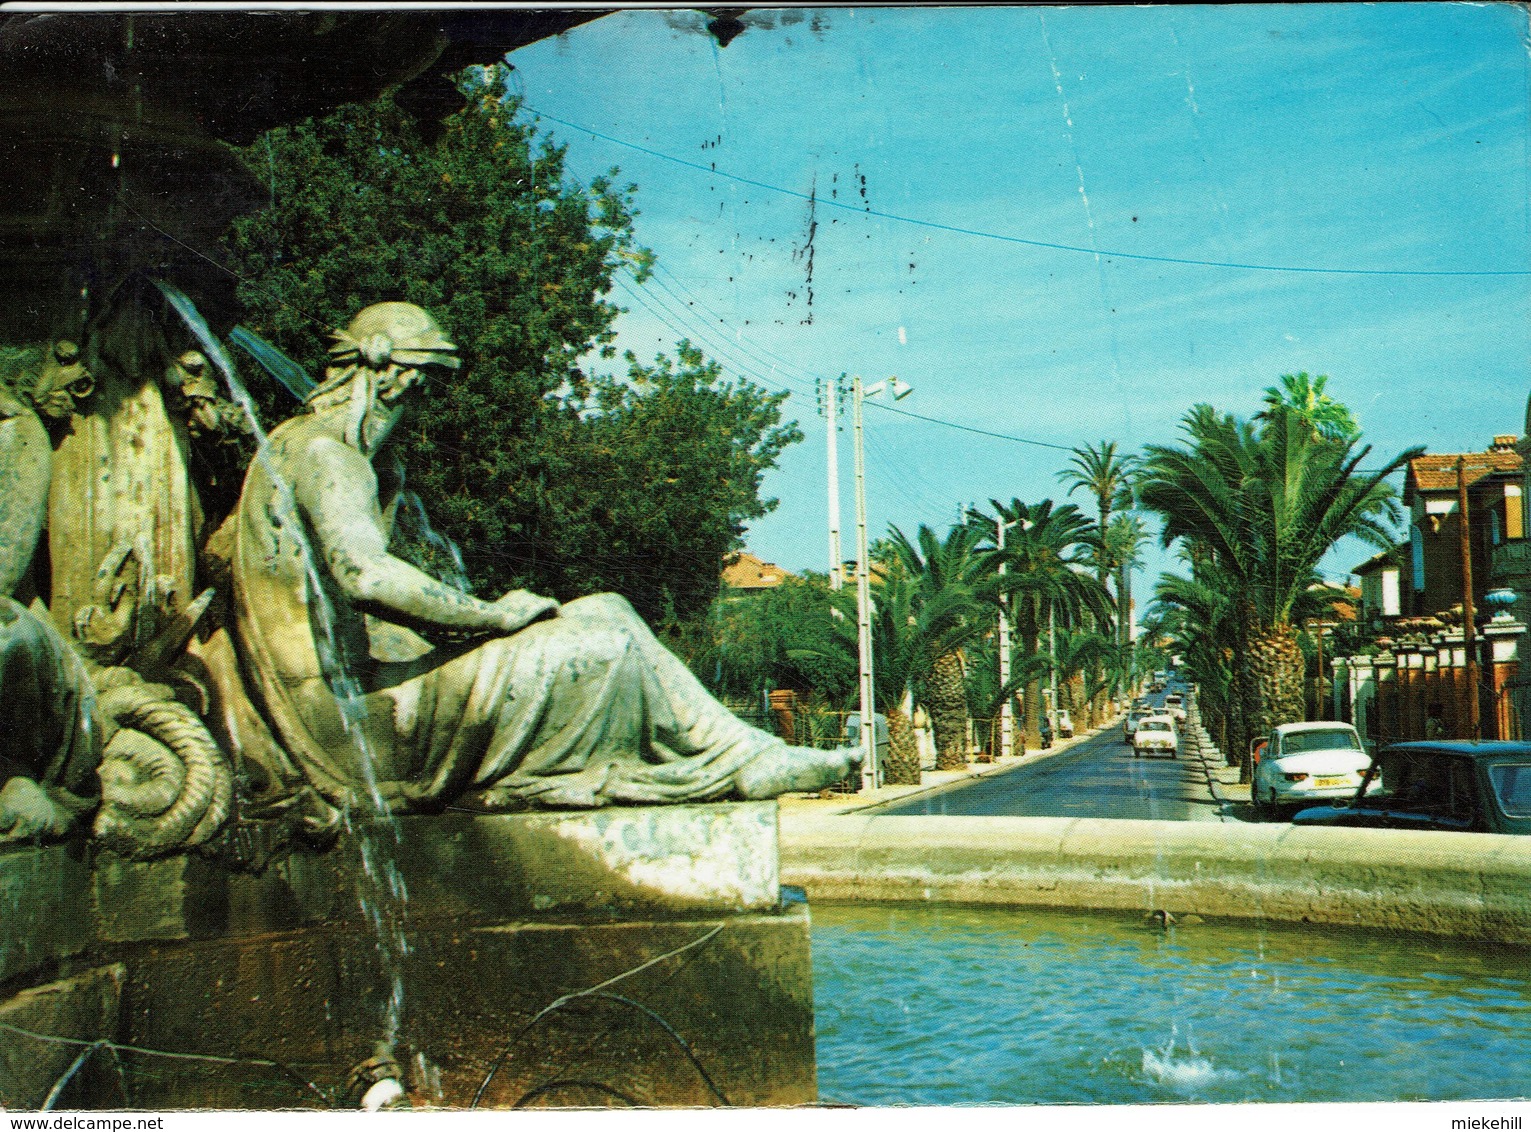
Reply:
x=1454, y=785
x=1174, y=705
x=1308, y=762
x=1155, y=736
x=1134, y=717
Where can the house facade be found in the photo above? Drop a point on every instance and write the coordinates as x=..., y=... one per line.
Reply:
x=1410, y=677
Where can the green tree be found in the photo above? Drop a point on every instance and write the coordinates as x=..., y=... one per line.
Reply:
x=952, y=597
x=1122, y=541
x=1264, y=504
x=650, y=488
x=781, y=638
x=1107, y=476
x=483, y=226
x=1304, y=397
x=1047, y=575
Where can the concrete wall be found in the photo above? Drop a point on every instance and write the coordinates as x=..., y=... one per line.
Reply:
x=1467, y=885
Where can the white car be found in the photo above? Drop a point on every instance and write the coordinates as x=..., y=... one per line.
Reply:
x=1174, y=705
x=1304, y=762
x=1155, y=735
x=1134, y=717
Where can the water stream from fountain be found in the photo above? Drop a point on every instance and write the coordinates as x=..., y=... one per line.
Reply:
x=381, y=892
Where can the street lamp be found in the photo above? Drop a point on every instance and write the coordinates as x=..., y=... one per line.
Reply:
x=870, y=771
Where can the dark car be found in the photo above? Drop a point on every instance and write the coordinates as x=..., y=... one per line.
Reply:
x=1483, y=787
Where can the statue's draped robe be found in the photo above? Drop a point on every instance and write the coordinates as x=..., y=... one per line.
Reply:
x=580, y=710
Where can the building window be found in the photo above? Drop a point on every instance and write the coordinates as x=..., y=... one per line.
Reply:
x=1417, y=554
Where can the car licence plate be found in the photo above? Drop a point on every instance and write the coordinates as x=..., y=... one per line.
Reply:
x=1340, y=780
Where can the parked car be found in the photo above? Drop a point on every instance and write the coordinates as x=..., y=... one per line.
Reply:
x=1134, y=717
x=1308, y=762
x=1065, y=726
x=1174, y=705
x=1155, y=735
x=1445, y=784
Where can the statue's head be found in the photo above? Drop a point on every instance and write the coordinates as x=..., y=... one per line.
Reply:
x=393, y=334
x=63, y=383
x=384, y=352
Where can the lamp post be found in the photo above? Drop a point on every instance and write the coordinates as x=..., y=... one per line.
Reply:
x=870, y=771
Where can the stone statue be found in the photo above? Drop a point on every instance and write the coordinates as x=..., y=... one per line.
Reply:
x=373, y=675
x=89, y=735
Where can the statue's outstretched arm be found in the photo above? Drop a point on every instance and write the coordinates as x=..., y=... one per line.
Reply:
x=337, y=490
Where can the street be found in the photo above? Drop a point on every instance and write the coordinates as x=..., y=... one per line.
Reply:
x=1098, y=777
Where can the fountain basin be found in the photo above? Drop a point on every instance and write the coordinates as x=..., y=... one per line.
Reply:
x=278, y=968
x=1471, y=886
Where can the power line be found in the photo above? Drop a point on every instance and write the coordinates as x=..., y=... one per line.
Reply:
x=660, y=309
x=1045, y=244
x=966, y=428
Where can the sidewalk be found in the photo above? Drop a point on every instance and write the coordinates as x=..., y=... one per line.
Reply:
x=932, y=781
x=1222, y=779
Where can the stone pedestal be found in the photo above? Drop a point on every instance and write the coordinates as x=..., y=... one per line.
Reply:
x=505, y=917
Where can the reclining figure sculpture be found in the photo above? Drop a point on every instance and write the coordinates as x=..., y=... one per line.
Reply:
x=373, y=674
x=331, y=672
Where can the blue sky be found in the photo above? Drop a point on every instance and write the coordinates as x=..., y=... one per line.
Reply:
x=1370, y=145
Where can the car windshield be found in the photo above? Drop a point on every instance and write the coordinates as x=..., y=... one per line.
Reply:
x=1153, y=725
x=1328, y=739
x=1512, y=782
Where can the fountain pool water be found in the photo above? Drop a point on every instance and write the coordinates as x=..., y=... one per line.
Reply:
x=942, y=1005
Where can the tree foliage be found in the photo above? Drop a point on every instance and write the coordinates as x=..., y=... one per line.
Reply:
x=1256, y=505
x=547, y=475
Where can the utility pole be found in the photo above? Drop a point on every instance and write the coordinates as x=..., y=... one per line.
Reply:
x=1469, y=635
x=831, y=408
x=869, y=766
x=1052, y=670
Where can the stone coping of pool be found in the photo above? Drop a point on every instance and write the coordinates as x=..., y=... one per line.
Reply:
x=623, y=862
x=1465, y=885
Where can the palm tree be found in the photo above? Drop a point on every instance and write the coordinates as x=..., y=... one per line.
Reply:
x=1109, y=478
x=1263, y=505
x=1195, y=615
x=951, y=600
x=1080, y=659
x=896, y=651
x=1305, y=397
x=1122, y=541
x=922, y=611
x=1105, y=475
x=1045, y=561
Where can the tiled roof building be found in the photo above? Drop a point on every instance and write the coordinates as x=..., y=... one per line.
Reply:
x=743, y=571
x=1496, y=516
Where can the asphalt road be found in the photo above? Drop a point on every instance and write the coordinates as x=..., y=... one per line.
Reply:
x=1098, y=777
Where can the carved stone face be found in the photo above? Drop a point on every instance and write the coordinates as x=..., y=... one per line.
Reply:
x=393, y=398
x=63, y=383
x=192, y=377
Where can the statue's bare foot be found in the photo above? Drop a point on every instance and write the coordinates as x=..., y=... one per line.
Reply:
x=784, y=770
